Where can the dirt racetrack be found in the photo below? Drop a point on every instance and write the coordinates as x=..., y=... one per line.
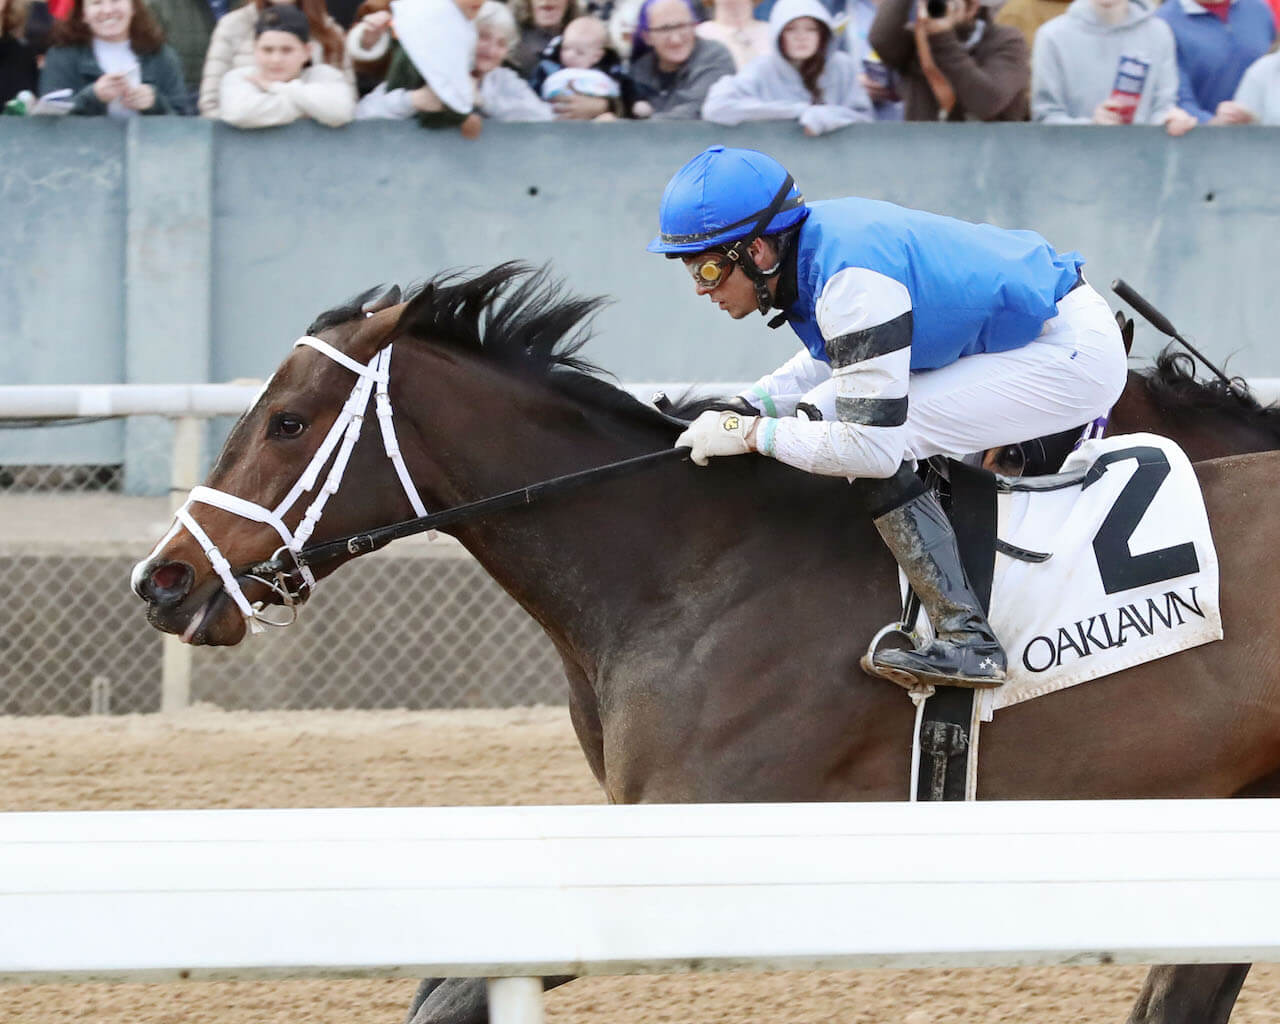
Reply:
x=209, y=758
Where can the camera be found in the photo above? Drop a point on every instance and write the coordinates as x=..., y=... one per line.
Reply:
x=936, y=8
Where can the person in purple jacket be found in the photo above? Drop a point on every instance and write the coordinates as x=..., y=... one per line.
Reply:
x=1217, y=41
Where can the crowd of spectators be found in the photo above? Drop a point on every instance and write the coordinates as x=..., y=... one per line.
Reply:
x=822, y=63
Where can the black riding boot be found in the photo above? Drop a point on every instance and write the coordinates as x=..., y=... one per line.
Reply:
x=964, y=652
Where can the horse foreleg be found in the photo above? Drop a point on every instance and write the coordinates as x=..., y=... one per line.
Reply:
x=1189, y=994
x=458, y=1000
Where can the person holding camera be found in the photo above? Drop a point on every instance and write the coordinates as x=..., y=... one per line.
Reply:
x=955, y=62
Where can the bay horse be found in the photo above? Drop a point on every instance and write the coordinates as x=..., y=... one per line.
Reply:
x=710, y=621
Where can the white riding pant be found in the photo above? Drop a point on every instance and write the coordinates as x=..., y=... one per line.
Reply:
x=1071, y=374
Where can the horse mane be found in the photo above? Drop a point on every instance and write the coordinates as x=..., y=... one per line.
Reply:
x=1173, y=387
x=517, y=316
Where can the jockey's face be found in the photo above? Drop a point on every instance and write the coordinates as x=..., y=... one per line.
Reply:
x=734, y=292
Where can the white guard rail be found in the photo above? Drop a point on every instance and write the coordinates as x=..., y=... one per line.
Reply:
x=59, y=401
x=54, y=401
x=523, y=892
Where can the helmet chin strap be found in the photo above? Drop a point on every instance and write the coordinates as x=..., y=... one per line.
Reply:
x=760, y=278
x=738, y=251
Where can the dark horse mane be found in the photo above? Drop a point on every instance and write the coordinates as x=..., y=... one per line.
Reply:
x=1173, y=387
x=519, y=317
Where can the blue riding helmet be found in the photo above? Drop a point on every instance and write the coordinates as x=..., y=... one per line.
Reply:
x=720, y=197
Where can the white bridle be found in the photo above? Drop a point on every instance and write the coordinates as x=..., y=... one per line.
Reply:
x=372, y=378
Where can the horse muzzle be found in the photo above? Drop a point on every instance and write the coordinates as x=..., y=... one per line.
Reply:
x=202, y=612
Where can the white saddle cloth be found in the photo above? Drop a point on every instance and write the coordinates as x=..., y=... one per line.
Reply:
x=1133, y=574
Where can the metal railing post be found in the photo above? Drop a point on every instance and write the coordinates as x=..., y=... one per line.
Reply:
x=184, y=469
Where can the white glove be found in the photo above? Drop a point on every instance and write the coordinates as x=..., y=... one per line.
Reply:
x=717, y=433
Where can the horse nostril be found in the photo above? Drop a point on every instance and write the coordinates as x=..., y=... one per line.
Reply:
x=168, y=582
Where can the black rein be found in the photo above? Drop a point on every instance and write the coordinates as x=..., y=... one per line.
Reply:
x=363, y=543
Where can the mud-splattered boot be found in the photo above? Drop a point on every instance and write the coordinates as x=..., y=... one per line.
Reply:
x=964, y=651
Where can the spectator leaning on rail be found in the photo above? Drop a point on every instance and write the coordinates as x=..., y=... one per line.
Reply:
x=673, y=77
x=1216, y=43
x=1107, y=62
x=1257, y=100
x=111, y=56
x=234, y=38
x=1015, y=342
x=806, y=78
x=19, y=71
x=960, y=66
x=280, y=88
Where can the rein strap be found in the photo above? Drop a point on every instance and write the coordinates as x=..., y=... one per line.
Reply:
x=363, y=543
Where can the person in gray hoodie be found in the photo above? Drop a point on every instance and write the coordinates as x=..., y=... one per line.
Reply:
x=1107, y=62
x=806, y=77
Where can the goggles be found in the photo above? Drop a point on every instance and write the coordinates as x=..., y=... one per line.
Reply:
x=709, y=268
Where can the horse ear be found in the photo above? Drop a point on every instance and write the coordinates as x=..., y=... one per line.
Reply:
x=386, y=300
x=1126, y=331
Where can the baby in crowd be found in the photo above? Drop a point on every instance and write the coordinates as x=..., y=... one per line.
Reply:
x=582, y=54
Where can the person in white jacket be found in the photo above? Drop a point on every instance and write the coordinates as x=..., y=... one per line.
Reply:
x=279, y=87
x=805, y=77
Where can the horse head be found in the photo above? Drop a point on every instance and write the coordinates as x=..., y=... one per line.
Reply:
x=308, y=463
x=200, y=580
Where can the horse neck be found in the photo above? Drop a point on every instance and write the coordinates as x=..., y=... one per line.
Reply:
x=625, y=565
x=578, y=563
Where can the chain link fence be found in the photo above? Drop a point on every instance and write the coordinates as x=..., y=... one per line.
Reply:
x=420, y=625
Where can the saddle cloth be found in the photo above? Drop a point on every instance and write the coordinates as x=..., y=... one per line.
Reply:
x=1133, y=574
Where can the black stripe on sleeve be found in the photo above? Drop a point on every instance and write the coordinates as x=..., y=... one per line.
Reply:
x=872, y=412
x=857, y=346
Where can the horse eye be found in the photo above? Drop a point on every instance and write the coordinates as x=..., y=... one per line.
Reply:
x=287, y=425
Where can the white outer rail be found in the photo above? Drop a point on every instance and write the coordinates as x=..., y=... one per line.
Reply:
x=531, y=891
x=59, y=401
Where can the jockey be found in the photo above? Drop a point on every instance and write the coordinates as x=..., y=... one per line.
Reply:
x=935, y=335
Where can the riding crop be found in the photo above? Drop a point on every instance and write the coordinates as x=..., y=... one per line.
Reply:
x=1161, y=323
